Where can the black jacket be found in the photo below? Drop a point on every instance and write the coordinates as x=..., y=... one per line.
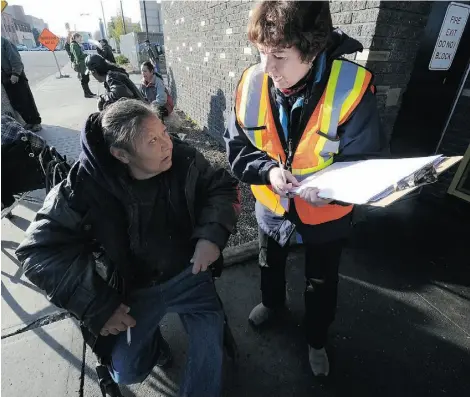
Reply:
x=118, y=85
x=78, y=247
x=106, y=52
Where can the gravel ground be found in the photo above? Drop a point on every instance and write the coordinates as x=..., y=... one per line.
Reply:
x=215, y=153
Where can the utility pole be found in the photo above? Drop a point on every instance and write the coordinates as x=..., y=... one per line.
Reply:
x=146, y=24
x=104, y=21
x=123, y=20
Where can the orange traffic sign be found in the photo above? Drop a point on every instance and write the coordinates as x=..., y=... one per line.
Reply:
x=4, y=4
x=48, y=39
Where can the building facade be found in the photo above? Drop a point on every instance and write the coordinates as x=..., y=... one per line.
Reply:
x=16, y=12
x=24, y=33
x=8, y=28
x=37, y=23
x=151, y=16
x=421, y=107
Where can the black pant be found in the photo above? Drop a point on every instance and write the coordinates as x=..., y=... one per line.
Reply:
x=22, y=100
x=321, y=289
x=85, y=79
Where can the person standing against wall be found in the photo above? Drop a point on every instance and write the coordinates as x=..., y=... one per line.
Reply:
x=16, y=85
x=106, y=51
x=79, y=64
x=298, y=111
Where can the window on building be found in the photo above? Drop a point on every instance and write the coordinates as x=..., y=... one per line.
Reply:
x=460, y=186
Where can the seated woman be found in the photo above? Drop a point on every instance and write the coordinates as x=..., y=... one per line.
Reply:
x=116, y=81
x=154, y=91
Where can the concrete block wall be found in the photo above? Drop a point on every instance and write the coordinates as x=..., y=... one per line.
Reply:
x=207, y=50
x=390, y=32
x=206, y=53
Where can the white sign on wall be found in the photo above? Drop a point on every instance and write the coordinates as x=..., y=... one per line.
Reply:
x=449, y=37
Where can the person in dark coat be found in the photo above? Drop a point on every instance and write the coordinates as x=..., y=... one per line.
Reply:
x=115, y=79
x=16, y=85
x=129, y=237
x=302, y=108
x=78, y=62
x=106, y=51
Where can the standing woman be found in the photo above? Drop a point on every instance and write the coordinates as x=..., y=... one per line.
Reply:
x=307, y=106
x=79, y=64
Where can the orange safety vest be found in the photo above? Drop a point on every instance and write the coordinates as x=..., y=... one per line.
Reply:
x=319, y=143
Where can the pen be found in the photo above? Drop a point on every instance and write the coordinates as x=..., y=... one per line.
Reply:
x=281, y=166
x=128, y=336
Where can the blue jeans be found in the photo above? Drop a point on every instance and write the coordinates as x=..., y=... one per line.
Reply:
x=195, y=299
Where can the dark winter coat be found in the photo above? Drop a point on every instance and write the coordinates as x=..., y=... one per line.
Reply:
x=118, y=85
x=106, y=52
x=78, y=248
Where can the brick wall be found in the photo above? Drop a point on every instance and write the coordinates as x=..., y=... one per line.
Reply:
x=390, y=32
x=206, y=53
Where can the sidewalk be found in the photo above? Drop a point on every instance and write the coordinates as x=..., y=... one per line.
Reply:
x=402, y=327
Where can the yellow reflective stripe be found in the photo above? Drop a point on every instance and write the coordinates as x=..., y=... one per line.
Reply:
x=245, y=91
x=305, y=171
x=267, y=197
x=262, y=114
x=263, y=102
x=355, y=92
x=329, y=97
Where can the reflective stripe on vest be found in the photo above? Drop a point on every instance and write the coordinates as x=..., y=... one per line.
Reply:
x=346, y=86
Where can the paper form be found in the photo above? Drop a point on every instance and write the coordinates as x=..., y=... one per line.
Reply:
x=358, y=182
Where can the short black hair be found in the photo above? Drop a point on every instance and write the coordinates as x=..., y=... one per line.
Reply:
x=149, y=66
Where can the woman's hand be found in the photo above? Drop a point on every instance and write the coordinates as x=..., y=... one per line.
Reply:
x=310, y=195
x=280, y=185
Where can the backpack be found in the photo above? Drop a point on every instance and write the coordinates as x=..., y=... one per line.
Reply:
x=69, y=53
x=169, y=102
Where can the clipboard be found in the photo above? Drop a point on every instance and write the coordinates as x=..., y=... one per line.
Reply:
x=376, y=182
x=395, y=195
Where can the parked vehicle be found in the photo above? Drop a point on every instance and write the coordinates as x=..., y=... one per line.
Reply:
x=88, y=47
x=39, y=48
x=21, y=47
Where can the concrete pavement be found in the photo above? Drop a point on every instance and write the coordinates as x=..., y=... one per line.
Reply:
x=402, y=327
x=46, y=361
x=40, y=64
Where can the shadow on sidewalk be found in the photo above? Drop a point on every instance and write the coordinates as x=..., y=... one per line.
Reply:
x=383, y=342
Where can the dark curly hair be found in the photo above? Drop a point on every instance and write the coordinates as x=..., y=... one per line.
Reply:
x=305, y=25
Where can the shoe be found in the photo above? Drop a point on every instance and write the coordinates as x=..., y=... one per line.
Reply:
x=90, y=95
x=164, y=354
x=36, y=128
x=261, y=314
x=319, y=362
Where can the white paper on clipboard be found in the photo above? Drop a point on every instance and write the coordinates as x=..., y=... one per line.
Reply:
x=360, y=182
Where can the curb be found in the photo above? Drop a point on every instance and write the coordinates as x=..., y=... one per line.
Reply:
x=247, y=251
x=240, y=253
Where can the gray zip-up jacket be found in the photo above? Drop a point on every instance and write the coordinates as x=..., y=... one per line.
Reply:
x=154, y=91
x=11, y=59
